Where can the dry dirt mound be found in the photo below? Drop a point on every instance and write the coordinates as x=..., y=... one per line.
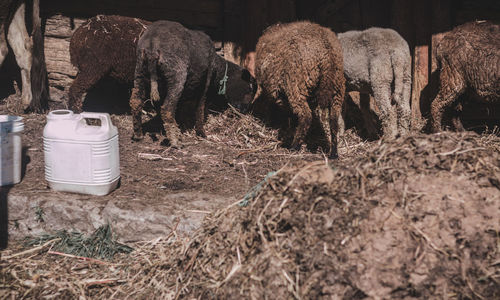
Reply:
x=418, y=218
x=415, y=218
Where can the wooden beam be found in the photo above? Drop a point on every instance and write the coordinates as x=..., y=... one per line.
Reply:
x=421, y=61
x=39, y=80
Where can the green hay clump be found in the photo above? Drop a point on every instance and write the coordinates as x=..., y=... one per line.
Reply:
x=100, y=244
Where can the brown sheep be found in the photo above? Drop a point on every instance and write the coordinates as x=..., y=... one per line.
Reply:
x=103, y=46
x=469, y=61
x=300, y=65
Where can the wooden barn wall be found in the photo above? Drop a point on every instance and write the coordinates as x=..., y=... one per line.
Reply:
x=61, y=18
x=421, y=22
x=239, y=23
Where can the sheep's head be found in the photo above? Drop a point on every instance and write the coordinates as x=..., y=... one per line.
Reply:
x=240, y=89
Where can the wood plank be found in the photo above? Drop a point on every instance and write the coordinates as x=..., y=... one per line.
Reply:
x=420, y=81
x=94, y=6
x=402, y=20
x=470, y=10
x=375, y=13
x=194, y=13
x=421, y=60
x=39, y=80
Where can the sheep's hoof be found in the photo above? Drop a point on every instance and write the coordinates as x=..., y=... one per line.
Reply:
x=436, y=129
x=172, y=144
x=172, y=141
x=201, y=133
x=387, y=137
x=137, y=138
x=295, y=145
x=333, y=154
x=155, y=96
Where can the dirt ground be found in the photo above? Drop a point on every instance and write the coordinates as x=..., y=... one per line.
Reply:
x=415, y=218
x=161, y=187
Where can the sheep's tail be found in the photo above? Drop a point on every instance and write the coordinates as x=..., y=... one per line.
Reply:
x=153, y=77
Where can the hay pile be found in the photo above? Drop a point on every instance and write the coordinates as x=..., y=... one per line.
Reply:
x=414, y=218
x=249, y=134
x=240, y=131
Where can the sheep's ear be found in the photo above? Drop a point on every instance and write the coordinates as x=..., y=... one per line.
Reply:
x=245, y=75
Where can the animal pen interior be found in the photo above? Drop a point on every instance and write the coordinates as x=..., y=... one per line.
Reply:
x=236, y=215
x=236, y=25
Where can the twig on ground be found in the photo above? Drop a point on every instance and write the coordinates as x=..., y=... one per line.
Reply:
x=92, y=260
x=29, y=251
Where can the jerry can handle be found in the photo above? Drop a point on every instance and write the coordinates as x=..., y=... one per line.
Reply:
x=104, y=117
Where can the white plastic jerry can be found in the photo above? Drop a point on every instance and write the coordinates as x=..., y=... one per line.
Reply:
x=10, y=149
x=81, y=157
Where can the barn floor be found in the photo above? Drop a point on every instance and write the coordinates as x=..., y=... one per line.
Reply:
x=414, y=218
x=161, y=187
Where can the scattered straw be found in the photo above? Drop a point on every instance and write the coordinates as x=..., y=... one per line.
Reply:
x=309, y=240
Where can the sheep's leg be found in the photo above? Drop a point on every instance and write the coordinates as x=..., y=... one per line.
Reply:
x=381, y=77
x=402, y=89
x=22, y=45
x=335, y=112
x=450, y=88
x=83, y=82
x=300, y=108
x=4, y=49
x=323, y=114
x=341, y=121
x=330, y=98
x=137, y=96
x=457, y=123
x=153, y=77
x=382, y=95
x=200, y=111
x=200, y=116
x=175, y=86
x=136, y=105
x=402, y=99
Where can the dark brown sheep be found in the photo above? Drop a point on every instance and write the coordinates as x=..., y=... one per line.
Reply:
x=300, y=65
x=178, y=66
x=103, y=46
x=469, y=61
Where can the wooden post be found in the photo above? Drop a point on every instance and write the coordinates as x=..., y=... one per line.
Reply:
x=441, y=23
x=420, y=61
x=39, y=81
x=233, y=29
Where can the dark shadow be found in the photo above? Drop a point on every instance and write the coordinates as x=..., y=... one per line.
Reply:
x=280, y=117
x=25, y=160
x=4, y=216
x=4, y=206
x=478, y=116
x=9, y=74
x=427, y=95
x=108, y=96
x=276, y=117
x=153, y=126
x=472, y=112
x=354, y=119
